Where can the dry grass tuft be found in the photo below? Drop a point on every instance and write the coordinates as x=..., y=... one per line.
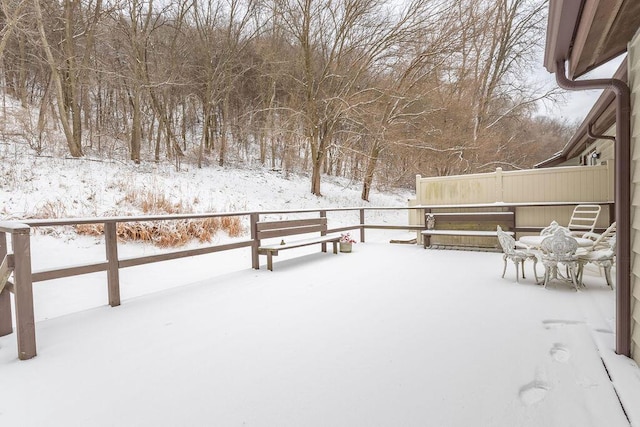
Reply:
x=159, y=233
x=90, y=229
x=166, y=233
x=232, y=225
x=51, y=209
x=153, y=202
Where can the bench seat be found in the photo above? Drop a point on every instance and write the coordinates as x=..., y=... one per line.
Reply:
x=282, y=230
x=275, y=247
x=464, y=233
x=272, y=250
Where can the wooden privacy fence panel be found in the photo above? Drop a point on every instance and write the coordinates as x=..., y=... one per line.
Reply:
x=580, y=184
x=458, y=189
x=563, y=184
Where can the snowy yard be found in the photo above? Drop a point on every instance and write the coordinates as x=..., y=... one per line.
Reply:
x=389, y=335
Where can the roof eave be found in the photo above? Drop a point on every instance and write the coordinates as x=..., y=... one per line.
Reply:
x=562, y=21
x=557, y=159
x=601, y=117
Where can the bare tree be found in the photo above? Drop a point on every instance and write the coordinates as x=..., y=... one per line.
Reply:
x=223, y=35
x=339, y=43
x=373, y=90
x=68, y=49
x=401, y=110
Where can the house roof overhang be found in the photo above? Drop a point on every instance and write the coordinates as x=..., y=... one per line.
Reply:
x=600, y=119
x=588, y=33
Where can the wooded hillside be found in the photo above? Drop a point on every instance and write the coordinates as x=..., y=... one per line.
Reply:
x=365, y=89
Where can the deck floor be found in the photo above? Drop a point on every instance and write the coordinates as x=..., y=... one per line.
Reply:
x=387, y=335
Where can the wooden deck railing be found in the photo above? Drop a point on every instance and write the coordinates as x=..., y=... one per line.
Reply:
x=18, y=260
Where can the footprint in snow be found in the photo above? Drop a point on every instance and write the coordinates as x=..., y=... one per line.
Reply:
x=560, y=353
x=557, y=323
x=533, y=392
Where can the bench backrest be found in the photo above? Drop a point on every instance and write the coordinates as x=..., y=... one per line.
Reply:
x=269, y=229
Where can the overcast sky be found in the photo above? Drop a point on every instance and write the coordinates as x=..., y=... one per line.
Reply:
x=578, y=103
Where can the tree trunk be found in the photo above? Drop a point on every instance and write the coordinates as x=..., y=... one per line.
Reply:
x=75, y=149
x=136, y=131
x=42, y=115
x=315, y=178
x=263, y=148
x=72, y=98
x=224, y=131
x=370, y=171
x=274, y=151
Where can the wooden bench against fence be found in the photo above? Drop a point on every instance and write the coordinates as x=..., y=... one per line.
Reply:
x=468, y=224
x=281, y=229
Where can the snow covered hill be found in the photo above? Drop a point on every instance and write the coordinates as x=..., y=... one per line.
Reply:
x=46, y=183
x=41, y=187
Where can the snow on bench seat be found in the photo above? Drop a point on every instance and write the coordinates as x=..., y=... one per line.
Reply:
x=280, y=229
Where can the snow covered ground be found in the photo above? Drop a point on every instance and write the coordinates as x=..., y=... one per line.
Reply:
x=388, y=335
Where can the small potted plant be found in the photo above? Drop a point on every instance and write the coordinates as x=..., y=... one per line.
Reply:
x=346, y=241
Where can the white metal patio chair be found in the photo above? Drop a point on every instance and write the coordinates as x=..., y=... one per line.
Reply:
x=600, y=241
x=603, y=255
x=583, y=219
x=559, y=249
x=518, y=257
x=551, y=228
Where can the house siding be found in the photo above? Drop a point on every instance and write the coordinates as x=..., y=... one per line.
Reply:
x=603, y=146
x=634, y=83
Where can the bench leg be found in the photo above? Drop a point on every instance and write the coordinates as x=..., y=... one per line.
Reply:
x=335, y=247
x=269, y=261
x=426, y=240
x=324, y=247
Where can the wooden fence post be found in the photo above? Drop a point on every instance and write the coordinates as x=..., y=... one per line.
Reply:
x=113, y=272
x=362, y=225
x=23, y=293
x=499, y=193
x=6, y=326
x=323, y=246
x=255, y=261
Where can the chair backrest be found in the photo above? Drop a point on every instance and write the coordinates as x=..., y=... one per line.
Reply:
x=602, y=241
x=559, y=246
x=551, y=228
x=507, y=242
x=584, y=218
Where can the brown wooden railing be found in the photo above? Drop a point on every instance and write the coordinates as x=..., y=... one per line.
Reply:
x=18, y=260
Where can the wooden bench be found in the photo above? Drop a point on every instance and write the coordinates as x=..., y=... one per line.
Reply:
x=476, y=219
x=280, y=229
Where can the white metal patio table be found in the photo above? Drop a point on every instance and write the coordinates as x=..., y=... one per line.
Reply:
x=534, y=243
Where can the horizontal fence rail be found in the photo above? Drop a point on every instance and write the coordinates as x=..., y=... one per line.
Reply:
x=17, y=261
